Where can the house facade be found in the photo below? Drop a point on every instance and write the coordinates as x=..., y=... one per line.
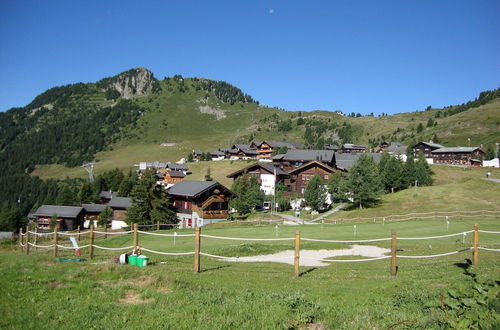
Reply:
x=266, y=148
x=353, y=148
x=67, y=217
x=297, y=157
x=267, y=175
x=425, y=148
x=119, y=206
x=300, y=177
x=468, y=156
x=198, y=203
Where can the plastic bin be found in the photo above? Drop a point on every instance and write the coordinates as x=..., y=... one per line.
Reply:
x=132, y=259
x=142, y=261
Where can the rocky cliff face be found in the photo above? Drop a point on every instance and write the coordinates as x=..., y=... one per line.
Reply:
x=130, y=83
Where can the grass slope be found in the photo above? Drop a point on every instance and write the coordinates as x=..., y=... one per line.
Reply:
x=39, y=292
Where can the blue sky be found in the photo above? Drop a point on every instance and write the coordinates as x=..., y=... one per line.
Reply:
x=356, y=56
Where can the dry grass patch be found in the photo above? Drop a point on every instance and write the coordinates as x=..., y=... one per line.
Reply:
x=58, y=284
x=132, y=297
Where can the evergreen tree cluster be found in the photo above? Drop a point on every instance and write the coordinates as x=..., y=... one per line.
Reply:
x=367, y=181
x=225, y=92
x=484, y=97
x=248, y=194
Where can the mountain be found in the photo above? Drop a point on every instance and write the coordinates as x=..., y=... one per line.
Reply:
x=133, y=116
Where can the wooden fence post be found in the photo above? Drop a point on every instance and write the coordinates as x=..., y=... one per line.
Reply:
x=36, y=239
x=394, y=244
x=297, y=253
x=27, y=240
x=197, y=248
x=78, y=236
x=21, y=239
x=158, y=225
x=475, y=245
x=106, y=230
x=136, y=237
x=56, y=239
x=91, y=242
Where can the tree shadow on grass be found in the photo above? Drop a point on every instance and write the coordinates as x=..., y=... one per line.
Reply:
x=368, y=205
x=466, y=267
x=307, y=271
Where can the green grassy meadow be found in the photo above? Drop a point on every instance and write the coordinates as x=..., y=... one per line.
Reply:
x=40, y=292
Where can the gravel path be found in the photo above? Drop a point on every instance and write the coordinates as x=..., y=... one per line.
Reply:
x=313, y=257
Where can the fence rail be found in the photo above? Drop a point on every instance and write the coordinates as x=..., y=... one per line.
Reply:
x=25, y=244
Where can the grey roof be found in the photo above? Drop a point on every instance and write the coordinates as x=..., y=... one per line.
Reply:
x=249, y=151
x=329, y=146
x=268, y=167
x=241, y=146
x=177, y=167
x=176, y=174
x=308, y=155
x=345, y=161
x=120, y=202
x=353, y=146
x=278, y=156
x=455, y=150
x=59, y=211
x=396, y=149
x=430, y=144
x=94, y=208
x=107, y=194
x=288, y=144
x=192, y=188
x=217, y=153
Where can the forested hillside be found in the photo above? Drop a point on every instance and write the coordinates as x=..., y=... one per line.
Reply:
x=122, y=120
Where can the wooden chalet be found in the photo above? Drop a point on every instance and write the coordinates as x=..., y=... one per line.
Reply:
x=353, y=148
x=265, y=148
x=198, y=203
x=173, y=177
x=120, y=205
x=267, y=175
x=242, y=151
x=297, y=157
x=300, y=176
x=468, y=156
x=106, y=196
x=92, y=211
x=67, y=217
x=425, y=148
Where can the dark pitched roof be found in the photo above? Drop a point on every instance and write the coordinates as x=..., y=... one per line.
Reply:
x=308, y=155
x=312, y=163
x=288, y=144
x=191, y=188
x=430, y=144
x=250, y=152
x=177, y=167
x=94, y=208
x=241, y=146
x=107, y=194
x=59, y=211
x=120, y=202
x=345, y=161
x=176, y=174
x=268, y=167
x=455, y=150
x=353, y=146
x=329, y=146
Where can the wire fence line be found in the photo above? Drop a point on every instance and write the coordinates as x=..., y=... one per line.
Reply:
x=26, y=244
x=422, y=215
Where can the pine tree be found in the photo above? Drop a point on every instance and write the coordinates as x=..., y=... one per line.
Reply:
x=393, y=175
x=337, y=186
x=409, y=172
x=423, y=172
x=364, y=182
x=490, y=153
x=315, y=193
x=105, y=217
x=65, y=196
x=150, y=202
x=86, y=193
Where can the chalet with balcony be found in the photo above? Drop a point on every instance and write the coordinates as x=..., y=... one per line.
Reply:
x=425, y=148
x=198, y=203
x=353, y=148
x=297, y=157
x=266, y=148
x=267, y=175
x=468, y=156
x=67, y=217
x=172, y=177
x=300, y=176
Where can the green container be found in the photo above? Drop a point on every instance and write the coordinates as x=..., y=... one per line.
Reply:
x=132, y=260
x=142, y=261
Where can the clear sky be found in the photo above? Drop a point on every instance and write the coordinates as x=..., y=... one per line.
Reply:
x=356, y=56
